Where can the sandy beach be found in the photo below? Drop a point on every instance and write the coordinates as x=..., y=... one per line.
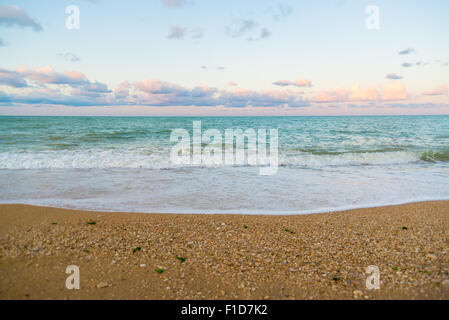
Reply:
x=154, y=256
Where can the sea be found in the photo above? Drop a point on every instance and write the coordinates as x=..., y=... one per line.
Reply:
x=124, y=164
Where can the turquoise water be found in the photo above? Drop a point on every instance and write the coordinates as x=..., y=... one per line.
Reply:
x=123, y=163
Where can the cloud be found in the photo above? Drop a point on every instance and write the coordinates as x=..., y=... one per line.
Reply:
x=247, y=28
x=360, y=105
x=393, y=76
x=197, y=33
x=394, y=91
x=122, y=90
x=14, y=16
x=443, y=89
x=174, y=3
x=46, y=86
x=421, y=63
x=297, y=83
x=177, y=32
x=264, y=33
x=95, y=89
x=241, y=27
x=69, y=56
x=335, y=95
x=407, y=51
x=303, y=83
x=281, y=11
x=159, y=93
x=218, y=68
x=156, y=86
x=49, y=97
x=156, y=92
x=283, y=83
x=359, y=94
x=41, y=86
x=242, y=98
x=48, y=75
x=417, y=63
x=4, y=98
x=12, y=79
x=390, y=92
x=415, y=105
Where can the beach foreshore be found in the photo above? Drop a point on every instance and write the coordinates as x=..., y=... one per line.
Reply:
x=167, y=256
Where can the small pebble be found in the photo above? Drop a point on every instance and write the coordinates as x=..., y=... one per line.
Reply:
x=102, y=285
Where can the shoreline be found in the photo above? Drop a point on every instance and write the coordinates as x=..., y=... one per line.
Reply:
x=225, y=256
x=236, y=212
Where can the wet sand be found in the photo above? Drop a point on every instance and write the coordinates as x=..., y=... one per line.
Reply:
x=155, y=256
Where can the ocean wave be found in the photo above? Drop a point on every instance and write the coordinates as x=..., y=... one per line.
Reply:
x=350, y=159
x=432, y=156
x=316, y=151
x=85, y=159
x=159, y=159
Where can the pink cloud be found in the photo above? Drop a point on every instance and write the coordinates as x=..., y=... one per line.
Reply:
x=359, y=94
x=122, y=90
x=48, y=86
x=394, y=91
x=303, y=83
x=49, y=76
x=443, y=89
x=75, y=75
x=12, y=79
x=156, y=86
x=336, y=95
x=390, y=92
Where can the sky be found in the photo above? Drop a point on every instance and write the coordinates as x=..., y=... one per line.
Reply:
x=202, y=57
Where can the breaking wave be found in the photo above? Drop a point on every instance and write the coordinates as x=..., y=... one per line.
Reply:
x=143, y=158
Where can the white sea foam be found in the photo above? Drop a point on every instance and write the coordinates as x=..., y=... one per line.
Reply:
x=82, y=159
x=225, y=190
x=350, y=159
x=125, y=158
